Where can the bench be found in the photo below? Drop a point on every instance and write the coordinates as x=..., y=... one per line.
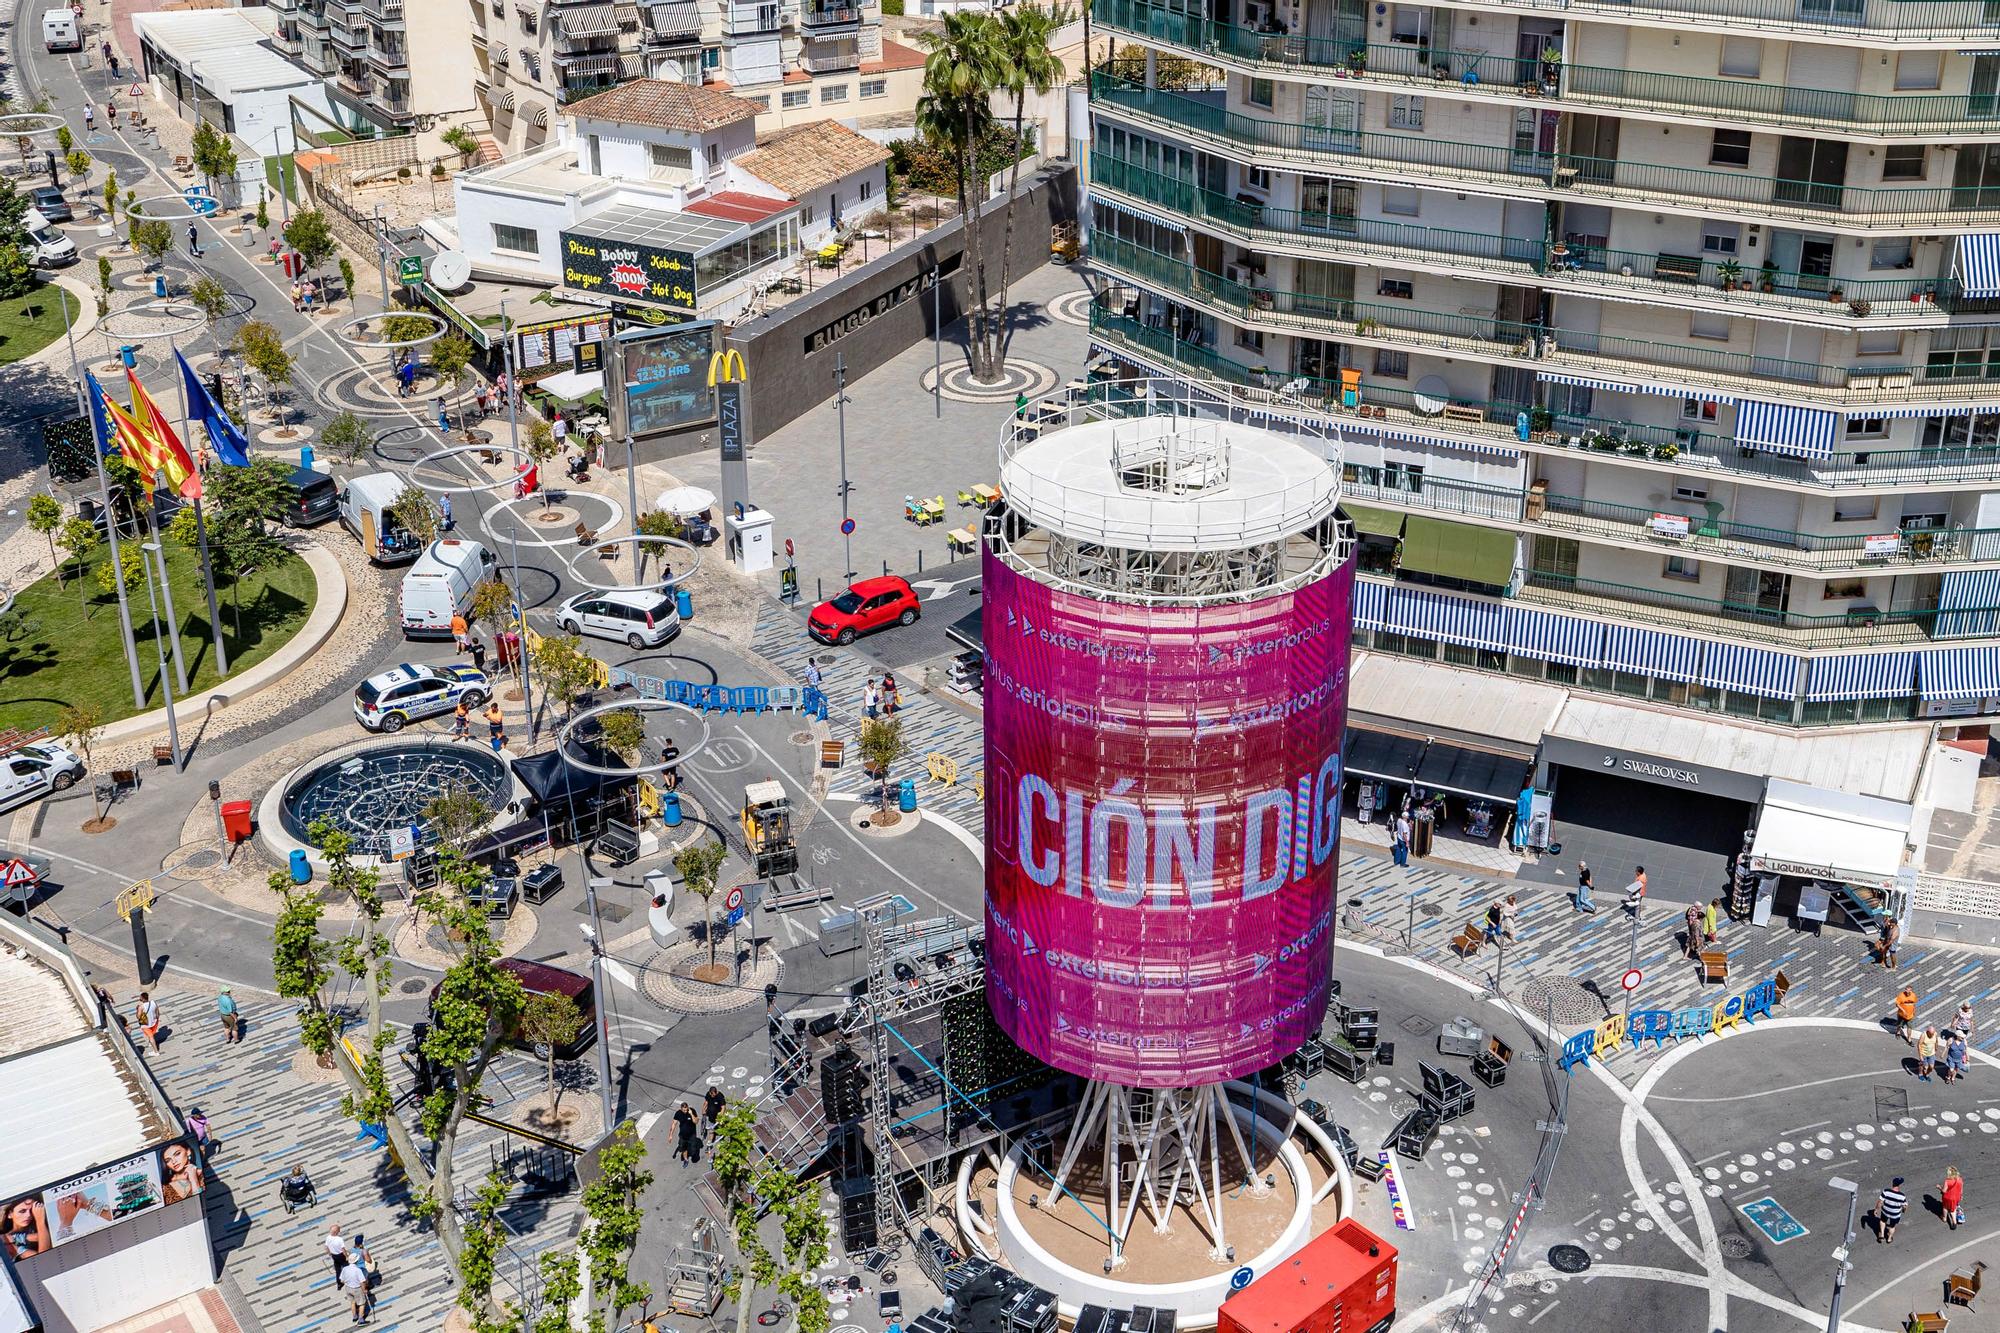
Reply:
x=1779, y=985
x=1931, y=1322
x=162, y=754
x=832, y=753
x=1466, y=943
x=1714, y=965
x=585, y=535
x=124, y=780
x=1677, y=268
x=1963, y=1287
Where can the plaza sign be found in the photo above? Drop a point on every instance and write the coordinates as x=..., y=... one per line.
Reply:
x=829, y=334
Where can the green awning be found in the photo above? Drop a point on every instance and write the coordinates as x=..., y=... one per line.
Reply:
x=1370, y=521
x=1458, y=551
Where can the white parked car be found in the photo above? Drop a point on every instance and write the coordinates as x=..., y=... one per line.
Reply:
x=36, y=770
x=403, y=694
x=639, y=619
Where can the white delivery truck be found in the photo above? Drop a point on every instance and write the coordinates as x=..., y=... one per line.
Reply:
x=31, y=767
x=364, y=511
x=440, y=585
x=61, y=31
x=46, y=246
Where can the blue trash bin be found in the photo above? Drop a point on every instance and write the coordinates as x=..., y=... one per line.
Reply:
x=302, y=871
x=306, y=457
x=160, y=286
x=684, y=603
x=906, y=796
x=670, y=809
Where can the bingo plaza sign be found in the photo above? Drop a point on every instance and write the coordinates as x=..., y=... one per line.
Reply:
x=829, y=334
x=627, y=271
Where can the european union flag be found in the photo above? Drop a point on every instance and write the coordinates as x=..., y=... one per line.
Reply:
x=231, y=446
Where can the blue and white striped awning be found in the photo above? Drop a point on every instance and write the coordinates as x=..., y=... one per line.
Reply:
x=1369, y=599
x=1959, y=673
x=1133, y=211
x=1807, y=432
x=1978, y=265
x=1741, y=670
x=1862, y=676
x=1429, y=438
x=1655, y=387
x=1554, y=638
x=1430, y=615
x=1650, y=653
x=1968, y=605
x=1904, y=413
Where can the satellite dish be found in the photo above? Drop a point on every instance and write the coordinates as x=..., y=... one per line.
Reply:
x=450, y=271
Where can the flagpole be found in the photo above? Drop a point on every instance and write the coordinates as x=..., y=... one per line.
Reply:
x=111, y=531
x=167, y=593
x=201, y=525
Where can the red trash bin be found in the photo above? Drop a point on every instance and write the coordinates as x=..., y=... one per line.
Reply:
x=236, y=820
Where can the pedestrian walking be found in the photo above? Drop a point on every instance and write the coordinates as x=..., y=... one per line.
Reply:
x=478, y=651
x=1892, y=934
x=1691, y=931
x=871, y=698
x=146, y=1014
x=1635, y=892
x=444, y=418
x=445, y=520
x=1952, y=1195
x=309, y=293
x=496, y=723
x=1399, y=840
x=89, y=117
x=892, y=696
x=197, y=1123
x=298, y=295
x=1510, y=912
x=336, y=1248
x=114, y=65
x=812, y=674
x=1889, y=1208
x=194, y=232
x=106, y=49
x=111, y=113
x=1583, y=902
x=684, y=1142
x=1927, y=1045
x=225, y=1008
x=711, y=1109
x=1711, y=917
x=1956, y=1057
x=461, y=721
x=460, y=636
x=1494, y=921
x=482, y=397
x=408, y=375
x=1962, y=1022
x=560, y=429
x=353, y=1285
x=1906, y=1013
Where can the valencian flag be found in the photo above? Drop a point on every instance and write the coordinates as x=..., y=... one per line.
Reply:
x=163, y=453
x=224, y=435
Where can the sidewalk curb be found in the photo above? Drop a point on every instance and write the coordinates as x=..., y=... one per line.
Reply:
x=329, y=608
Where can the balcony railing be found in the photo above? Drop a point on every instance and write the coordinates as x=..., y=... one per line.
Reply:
x=1712, y=98
x=829, y=16
x=1791, y=629
x=1879, y=21
x=1613, y=179
x=819, y=62
x=1682, y=448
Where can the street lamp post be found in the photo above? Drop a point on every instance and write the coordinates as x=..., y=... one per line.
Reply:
x=937, y=340
x=595, y=934
x=632, y=494
x=840, y=407
x=1840, y=1264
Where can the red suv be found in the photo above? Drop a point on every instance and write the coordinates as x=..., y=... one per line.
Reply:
x=869, y=605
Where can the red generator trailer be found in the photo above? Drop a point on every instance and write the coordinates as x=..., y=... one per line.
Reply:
x=1342, y=1281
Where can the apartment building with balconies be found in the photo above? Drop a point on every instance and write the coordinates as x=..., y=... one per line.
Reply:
x=364, y=49
x=1664, y=338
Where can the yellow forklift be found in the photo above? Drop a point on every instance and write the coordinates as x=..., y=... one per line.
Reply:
x=767, y=829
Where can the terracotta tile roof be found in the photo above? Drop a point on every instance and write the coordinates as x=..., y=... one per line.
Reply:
x=736, y=206
x=664, y=105
x=803, y=158
x=894, y=56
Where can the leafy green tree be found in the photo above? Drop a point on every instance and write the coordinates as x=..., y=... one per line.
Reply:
x=611, y=1203
x=460, y=139
x=1026, y=65
x=17, y=275
x=347, y=436
x=111, y=196
x=64, y=139
x=45, y=515
x=415, y=512
x=478, y=1254
x=491, y=601
x=129, y=568
x=242, y=503
x=214, y=155
x=659, y=523
x=562, y=1286
x=264, y=351
x=564, y=668
x=347, y=279
x=698, y=866
x=455, y=815
x=405, y=328
x=311, y=235
x=263, y=209
x=623, y=733
x=79, y=537
x=81, y=726
x=212, y=299
x=551, y=1020
x=78, y=163
x=882, y=745
x=450, y=356
x=805, y=1238
x=962, y=69
x=151, y=238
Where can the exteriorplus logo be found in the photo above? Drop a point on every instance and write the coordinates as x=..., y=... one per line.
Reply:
x=1239, y=653
x=1138, y=654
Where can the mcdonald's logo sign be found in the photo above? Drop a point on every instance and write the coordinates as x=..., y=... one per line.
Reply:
x=726, y=367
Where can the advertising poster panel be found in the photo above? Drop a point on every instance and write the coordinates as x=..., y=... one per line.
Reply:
x=100, y=1198
x=1163, y=823
x=666, y=378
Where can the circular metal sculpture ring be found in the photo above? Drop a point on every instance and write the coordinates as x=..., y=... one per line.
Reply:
x=638, y=542
x=347, y=330
x=431, y=460
x=507, y=506
x=638, y=705
x=185, y=314
x=28, y=124
x=200, y=205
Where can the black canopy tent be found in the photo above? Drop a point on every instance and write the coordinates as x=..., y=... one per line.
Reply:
x=1383, y=754
x=569, y=801
x=1479, y=775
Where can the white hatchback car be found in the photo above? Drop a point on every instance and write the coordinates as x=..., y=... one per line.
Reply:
x=638, y=619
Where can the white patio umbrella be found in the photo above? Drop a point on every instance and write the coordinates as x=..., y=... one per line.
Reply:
x=684, y=501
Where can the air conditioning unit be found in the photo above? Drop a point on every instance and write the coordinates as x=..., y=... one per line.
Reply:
x=1236, y=273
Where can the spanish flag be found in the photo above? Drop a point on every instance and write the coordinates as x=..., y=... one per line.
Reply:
x=163, y=453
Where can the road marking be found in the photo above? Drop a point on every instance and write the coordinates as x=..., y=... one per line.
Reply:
x=1545, y=1310
x=621, y=974
x=1794, y=1087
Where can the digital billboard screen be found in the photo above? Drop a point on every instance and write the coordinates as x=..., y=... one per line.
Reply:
x=666, y=378
x=1162, y=823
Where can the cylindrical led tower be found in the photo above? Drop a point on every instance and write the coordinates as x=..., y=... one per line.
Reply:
x=1167, y=620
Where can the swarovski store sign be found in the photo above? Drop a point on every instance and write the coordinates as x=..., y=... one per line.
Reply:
x=1675, y=773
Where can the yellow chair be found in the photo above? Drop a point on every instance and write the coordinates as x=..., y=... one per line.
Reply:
x=966, y=499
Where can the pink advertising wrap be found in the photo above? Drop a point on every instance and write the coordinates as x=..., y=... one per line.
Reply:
x=1162, y=823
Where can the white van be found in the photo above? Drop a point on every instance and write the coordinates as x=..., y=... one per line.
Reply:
x=440, y=585
x=47, y=247
x=36, y=770
x=364, y=511
x=61, y=31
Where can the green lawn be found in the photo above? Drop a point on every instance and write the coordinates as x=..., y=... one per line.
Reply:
x=278, y=170
x=60, y=646
x=30, y=323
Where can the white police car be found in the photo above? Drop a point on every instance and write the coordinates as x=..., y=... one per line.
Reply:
x=403, y=694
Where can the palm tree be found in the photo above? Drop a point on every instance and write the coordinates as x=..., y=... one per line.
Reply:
x=960, y=73
x=1027, y=63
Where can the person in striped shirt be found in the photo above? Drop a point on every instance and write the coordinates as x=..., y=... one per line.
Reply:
x=1889, y=1211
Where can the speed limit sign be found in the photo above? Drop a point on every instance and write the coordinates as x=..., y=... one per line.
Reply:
x=733, y=899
